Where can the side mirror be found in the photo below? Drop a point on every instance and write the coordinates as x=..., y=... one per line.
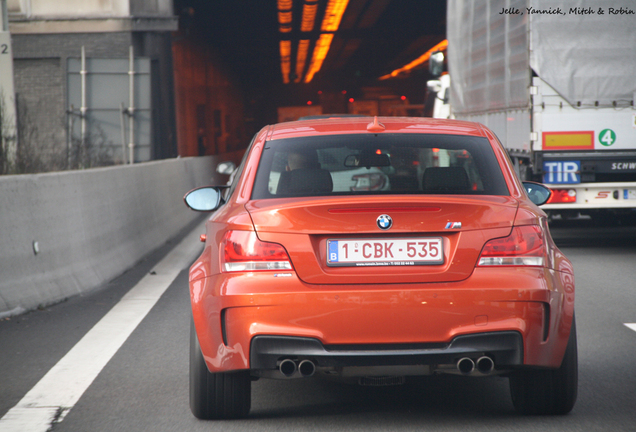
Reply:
x=203, y=199
x=436, y=63
x=538, y=193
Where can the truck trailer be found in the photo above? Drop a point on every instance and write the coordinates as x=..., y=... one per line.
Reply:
x=556, y=82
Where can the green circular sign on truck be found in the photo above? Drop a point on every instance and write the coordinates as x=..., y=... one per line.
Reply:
x=607, y=137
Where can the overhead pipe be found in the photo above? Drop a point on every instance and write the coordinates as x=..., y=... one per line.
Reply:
x=131, y=107
x=69, y=135
x=122, y=127
x=83, y=108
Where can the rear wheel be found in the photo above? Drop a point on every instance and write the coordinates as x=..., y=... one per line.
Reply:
x=548, y=391
x=224, y=395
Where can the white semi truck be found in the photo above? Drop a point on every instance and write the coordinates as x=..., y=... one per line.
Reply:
x=556, y=82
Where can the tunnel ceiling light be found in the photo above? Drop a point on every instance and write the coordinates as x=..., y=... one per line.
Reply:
x=320, y=52
x=418, y=61
x=333, y=15
x=285, y=22
x=285, y=59
x=309, y=15
x=301, y=58
x=330, y=23
x=285, y=16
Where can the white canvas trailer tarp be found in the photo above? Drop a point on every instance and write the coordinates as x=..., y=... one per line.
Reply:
x=585, y=52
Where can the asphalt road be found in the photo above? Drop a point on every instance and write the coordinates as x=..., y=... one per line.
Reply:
x=144, y=387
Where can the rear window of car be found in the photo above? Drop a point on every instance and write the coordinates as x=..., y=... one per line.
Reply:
x=362, y=164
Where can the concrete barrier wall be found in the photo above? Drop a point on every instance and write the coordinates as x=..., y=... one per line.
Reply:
x=90, y=226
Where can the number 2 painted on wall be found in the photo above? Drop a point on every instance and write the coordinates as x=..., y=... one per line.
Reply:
x=4, y=49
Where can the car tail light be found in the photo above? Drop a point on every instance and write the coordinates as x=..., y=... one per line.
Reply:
x=243, y=251
x=562, y=196
x=525, y=246
x=368, y=182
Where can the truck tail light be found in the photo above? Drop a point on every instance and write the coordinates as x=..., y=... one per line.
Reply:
x=243, y=251
x=525, y=246
x=562, y=196
x=368, y=182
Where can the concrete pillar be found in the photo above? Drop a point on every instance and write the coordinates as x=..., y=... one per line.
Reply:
x=8, y=118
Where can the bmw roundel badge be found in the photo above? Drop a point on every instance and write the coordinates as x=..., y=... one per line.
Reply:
x=384, y=222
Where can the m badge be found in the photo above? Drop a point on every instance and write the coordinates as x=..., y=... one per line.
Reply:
x=453, y=225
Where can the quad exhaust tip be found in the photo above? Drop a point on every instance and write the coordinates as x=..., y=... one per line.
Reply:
x=287, y=367
x=306, y=368
x=466, y=365
x=485, y=365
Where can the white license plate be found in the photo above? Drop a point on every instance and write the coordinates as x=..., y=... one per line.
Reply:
x=385, y=252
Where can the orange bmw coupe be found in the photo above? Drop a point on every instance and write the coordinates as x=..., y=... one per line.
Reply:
x=375, y=249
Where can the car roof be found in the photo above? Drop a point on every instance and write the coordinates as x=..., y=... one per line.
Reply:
x=328, y=116
x=358, y=125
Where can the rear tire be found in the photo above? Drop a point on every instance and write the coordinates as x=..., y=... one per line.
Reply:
x=548, y=391
x=225, y=395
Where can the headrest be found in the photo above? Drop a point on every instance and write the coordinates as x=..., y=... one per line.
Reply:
x=445, y=179
x=302, y=181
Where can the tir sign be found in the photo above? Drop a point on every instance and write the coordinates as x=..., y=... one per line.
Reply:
x=562, y=172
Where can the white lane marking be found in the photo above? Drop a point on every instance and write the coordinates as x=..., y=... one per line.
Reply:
x=631, y=326
x=58, y=391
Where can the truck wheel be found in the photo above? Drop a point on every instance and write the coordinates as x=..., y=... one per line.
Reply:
x=548, y=391
x=216, y=395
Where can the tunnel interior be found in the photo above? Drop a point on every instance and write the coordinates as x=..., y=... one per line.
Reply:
x=236, y=63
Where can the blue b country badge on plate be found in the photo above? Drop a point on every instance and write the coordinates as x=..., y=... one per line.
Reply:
x=333, y=251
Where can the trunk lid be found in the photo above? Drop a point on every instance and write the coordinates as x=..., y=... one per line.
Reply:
x=459, y=225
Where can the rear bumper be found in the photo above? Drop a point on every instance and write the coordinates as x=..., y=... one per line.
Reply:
x=505, y=348
x=521, y=317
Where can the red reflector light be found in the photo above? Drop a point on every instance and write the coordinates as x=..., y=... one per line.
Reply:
x=243, y=251
x=525, y=246
x=562, y=196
